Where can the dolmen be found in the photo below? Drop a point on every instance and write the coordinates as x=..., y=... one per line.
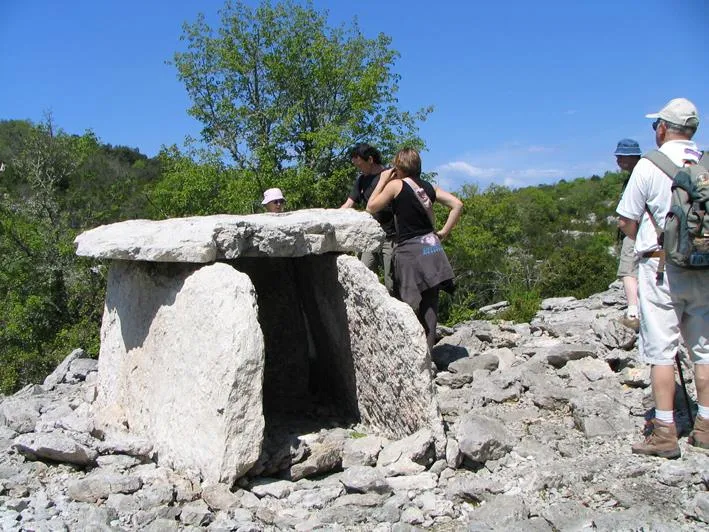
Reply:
x=216, y=328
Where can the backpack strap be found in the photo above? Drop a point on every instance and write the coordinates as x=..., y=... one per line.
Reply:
x=670, y=169
x=423, y=198
x=663, y=162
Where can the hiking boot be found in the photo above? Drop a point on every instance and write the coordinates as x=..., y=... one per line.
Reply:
x=661, y=442
x=631, y=322
x=699, y=437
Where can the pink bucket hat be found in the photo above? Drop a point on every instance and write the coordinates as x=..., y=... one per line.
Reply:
x=272, y=194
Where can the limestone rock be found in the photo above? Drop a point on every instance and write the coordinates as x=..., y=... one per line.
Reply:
x=482, y=438
x=324, y=458
x=407, y=456
x=169, y=373
x=699, y=507
x=196, y=514
x=558, y=303
x=587, y=370
x=560, y=355
x=364, y=479
x=120, y=442
x=80, y=368
x=219, y=497
x=278, y=489
x=203, y=239
x=392, y=365
x=453, y=455
x=361, y=451
x=598, y=414
x=501, y=511
x=55, y=446
x=420, y=482
x=100, y=485
x=486, y=361
x=19, y=416
x=614, y=335
x=61, y=370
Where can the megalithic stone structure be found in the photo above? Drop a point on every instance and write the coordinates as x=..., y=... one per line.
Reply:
x=213, y=324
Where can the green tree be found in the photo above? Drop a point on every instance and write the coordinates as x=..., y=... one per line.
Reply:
x=279, y=89
x=50, y=300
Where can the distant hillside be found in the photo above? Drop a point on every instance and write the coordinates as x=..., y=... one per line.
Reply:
x=526, y=244
x=516, y=245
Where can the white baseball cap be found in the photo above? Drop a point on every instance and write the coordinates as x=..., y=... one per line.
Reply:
x=272, y=194
x=678, y=111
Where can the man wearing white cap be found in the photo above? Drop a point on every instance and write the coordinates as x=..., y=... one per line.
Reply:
x=677, y=301
x=273, y=200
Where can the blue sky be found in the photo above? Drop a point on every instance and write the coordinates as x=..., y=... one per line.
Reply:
x=523, y=92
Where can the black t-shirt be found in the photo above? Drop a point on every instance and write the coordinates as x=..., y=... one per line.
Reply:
x=362, y=189
x=411, y=217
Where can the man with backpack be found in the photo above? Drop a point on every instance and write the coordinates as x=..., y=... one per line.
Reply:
x=672, y=259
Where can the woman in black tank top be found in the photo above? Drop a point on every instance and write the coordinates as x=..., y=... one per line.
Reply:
x=421, y=267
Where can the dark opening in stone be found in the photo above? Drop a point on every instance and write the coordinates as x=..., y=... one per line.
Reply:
x=309, y=377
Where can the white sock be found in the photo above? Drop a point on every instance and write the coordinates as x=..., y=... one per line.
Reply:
x=666, y=416
x=703, y=411
x=632, y=311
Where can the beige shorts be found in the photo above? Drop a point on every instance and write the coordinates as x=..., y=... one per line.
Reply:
x=676, y=309
x=628, y=265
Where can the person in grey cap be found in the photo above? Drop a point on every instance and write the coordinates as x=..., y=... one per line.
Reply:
x=627, y=154
x=673, y=303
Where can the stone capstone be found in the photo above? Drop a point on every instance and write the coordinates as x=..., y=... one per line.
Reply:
x=205, y=239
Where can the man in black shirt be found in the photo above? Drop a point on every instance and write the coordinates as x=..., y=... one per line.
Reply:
x=368, y=161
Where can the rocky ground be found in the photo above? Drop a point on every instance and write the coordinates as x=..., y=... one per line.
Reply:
x=539, y=418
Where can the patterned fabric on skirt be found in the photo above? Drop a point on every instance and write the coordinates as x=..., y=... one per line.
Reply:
x=420, y=263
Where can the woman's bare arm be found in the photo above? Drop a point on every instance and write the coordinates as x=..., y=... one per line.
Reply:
x=456, y=209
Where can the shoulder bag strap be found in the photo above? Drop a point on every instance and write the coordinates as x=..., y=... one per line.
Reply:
x=420, y=193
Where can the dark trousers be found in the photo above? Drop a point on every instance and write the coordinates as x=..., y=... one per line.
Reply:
x=428, y=314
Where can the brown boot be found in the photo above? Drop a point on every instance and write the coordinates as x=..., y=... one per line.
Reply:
x=661, y=442
x=699, y=437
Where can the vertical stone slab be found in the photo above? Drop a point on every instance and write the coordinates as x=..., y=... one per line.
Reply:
x=181, y=364
x=378, y=348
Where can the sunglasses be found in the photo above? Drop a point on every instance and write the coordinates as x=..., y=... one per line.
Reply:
x=279, y=201
x=655, y=124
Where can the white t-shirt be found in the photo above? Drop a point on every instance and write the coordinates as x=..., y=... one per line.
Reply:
x=650, y=186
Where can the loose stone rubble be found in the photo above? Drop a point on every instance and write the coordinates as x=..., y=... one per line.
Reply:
x=539, y=421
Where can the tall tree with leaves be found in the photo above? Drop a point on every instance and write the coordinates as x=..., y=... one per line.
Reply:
x=277, y=89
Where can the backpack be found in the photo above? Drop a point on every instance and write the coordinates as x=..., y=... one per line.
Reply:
x=685, y=239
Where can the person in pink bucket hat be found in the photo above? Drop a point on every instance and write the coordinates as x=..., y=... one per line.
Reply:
x=273, y=200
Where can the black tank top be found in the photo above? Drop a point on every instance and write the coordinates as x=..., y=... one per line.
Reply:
x=410, y=216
